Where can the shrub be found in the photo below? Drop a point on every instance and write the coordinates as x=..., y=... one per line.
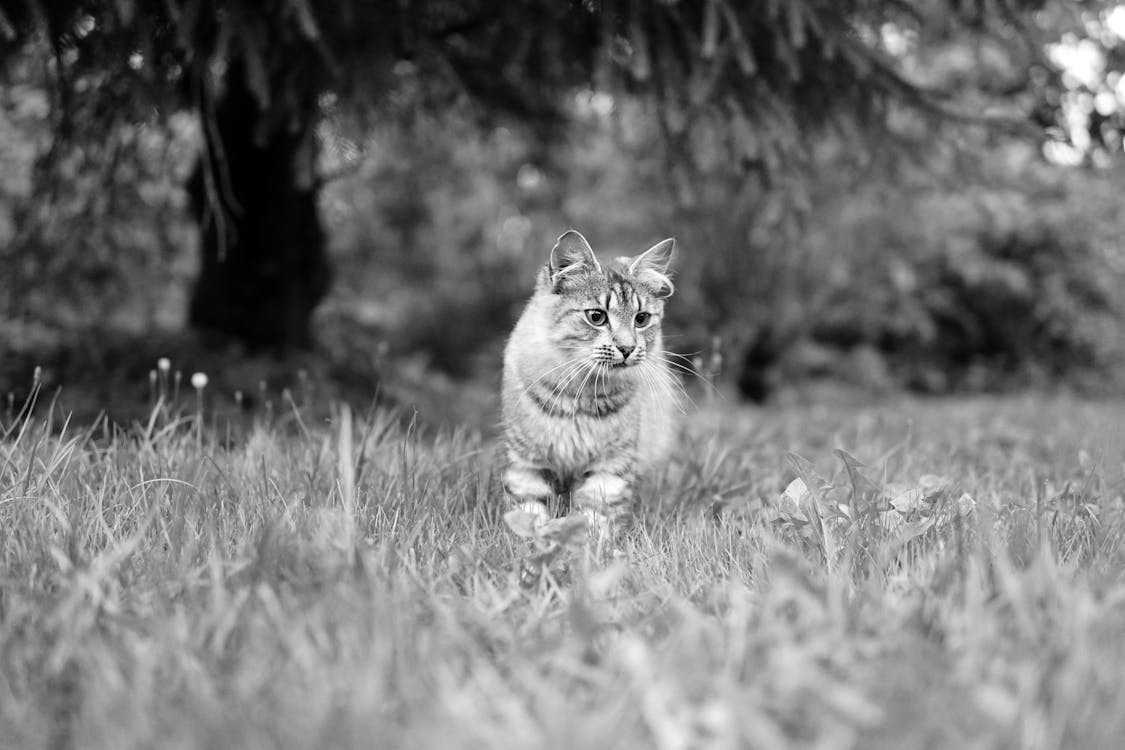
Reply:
x=969, y=287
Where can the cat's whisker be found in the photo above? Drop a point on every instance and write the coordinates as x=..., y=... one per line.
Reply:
x=675, y=386
x=671, y=377
x=598, y=376
x=689, y=371
x=593, y=372
x=594, y=385
x=650, y=385
x=685, y=357
x=579, y=373
x=569, y=368
x=654, y=376
x=604, y=375
x=582, y=386
x=688, y=367
x=560, y=389
x=583, y=372
x=543, y=376
x=558, y=366
x=675, y=378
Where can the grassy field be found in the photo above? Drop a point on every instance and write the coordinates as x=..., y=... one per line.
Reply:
x=311, y=583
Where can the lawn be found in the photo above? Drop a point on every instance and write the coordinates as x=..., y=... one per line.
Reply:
x=938, y=574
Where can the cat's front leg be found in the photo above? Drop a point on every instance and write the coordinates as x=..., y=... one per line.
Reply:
x=606, y=497
x=526, y=487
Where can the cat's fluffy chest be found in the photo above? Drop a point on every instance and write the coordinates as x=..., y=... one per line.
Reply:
x=573, y=444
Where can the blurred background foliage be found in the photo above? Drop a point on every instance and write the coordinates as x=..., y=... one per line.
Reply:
x=951, y=222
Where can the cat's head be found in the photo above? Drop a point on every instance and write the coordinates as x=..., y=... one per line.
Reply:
x=612, y=313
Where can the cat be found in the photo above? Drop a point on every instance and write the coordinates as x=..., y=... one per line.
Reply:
x=588, y=397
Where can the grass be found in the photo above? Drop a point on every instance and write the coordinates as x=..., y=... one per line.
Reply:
x=350, y=582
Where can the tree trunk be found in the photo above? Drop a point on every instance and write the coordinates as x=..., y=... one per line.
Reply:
x=254, y=193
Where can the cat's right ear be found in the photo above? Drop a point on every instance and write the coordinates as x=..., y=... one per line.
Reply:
x=651, y=268
x=571, y=255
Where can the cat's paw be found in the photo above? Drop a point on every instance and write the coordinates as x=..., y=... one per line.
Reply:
x=537, y=510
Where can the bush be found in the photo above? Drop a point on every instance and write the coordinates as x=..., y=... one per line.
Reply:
x=972, y=287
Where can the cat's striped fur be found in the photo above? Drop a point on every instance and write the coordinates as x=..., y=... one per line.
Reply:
x=588, y=398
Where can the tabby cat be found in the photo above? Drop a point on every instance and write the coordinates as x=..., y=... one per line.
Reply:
x=588, y=396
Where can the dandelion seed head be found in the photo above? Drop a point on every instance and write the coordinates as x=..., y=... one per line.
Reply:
x=164, y=365
x=199, y=381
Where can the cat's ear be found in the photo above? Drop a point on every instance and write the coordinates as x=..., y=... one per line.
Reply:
x=571, y=255
x=651, y=268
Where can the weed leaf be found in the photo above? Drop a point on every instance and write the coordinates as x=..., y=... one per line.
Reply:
x=522, y=523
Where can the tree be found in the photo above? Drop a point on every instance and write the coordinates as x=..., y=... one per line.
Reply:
x=764, y=75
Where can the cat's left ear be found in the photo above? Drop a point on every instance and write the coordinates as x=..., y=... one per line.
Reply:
x=571, y=255
x=651, y=268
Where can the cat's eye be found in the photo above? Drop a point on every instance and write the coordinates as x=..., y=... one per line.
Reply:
x=596, y=317
x=642, y=319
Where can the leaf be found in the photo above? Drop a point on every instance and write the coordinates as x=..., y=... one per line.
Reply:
x=913, y=529
x=909, y=500
x=862, y=487
x=800, y=464
x=794, y=494
x=966, y=504
x=522, y=523
x=570, y=531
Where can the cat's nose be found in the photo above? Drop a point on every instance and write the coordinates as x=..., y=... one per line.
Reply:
x=625, y=350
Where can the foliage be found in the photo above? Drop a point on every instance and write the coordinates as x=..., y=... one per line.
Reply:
x=89, y=236
x=1003, y=281
x=771, y=69
x=740, y=89
x=1079, y=103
